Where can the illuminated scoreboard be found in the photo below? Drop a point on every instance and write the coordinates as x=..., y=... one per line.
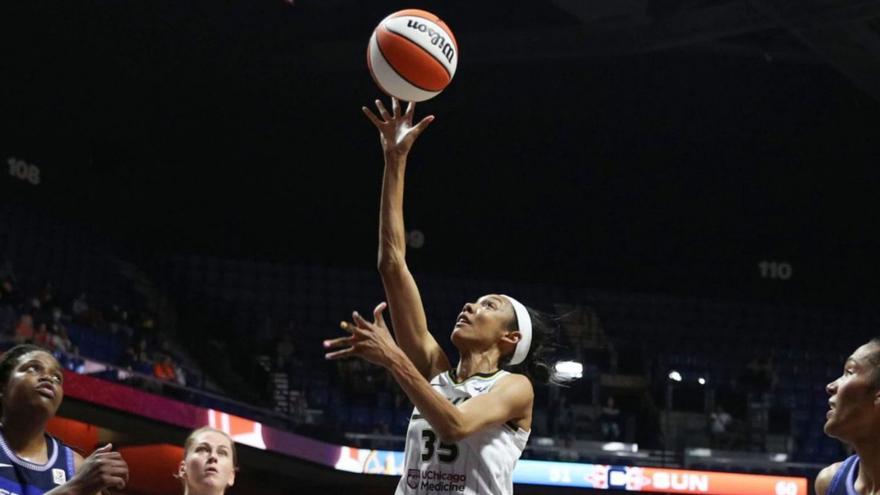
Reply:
x=645, y=479
x=600, y=476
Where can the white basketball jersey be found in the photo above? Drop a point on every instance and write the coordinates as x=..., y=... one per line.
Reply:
x=480, y=464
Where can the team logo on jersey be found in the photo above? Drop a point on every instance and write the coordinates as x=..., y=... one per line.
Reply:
x=412, y=478
x=59, y=476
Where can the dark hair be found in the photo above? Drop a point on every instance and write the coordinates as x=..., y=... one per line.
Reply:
x=539, y=364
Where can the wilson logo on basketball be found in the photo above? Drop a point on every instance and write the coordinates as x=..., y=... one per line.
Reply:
x=437, y=38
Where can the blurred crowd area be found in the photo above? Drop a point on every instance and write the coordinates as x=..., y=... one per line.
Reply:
x=61, y=323
x=660, y=371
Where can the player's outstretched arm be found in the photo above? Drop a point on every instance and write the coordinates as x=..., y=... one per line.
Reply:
x=511, y=399
x=397, y=135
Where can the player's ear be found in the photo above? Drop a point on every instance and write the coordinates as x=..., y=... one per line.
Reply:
x=508, y=343
x=512, y=338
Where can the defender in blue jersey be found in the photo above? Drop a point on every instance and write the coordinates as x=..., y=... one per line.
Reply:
x=854, y=418
x=31, y=461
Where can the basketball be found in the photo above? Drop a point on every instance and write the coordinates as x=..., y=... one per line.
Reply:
x=412, y=55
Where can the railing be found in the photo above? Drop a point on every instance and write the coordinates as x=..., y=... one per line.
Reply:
x=543, y=447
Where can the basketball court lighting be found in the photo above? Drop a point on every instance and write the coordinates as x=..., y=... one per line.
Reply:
x=569, y=369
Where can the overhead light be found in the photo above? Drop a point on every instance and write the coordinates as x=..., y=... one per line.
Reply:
x=569, y=370
x=620, y=447
x=675, y=376
x=701, y=380
x=415, y=239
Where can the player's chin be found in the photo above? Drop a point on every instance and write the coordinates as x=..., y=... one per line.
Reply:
x=49, y=406
x=212, y=479
x=458, y=336
x=831, y=427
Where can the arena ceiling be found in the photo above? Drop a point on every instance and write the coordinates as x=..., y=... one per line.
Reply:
x=634, y=144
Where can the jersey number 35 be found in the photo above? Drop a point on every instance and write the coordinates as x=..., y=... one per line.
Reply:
x=446, y=452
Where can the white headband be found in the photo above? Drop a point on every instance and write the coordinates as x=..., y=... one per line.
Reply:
x=524, y=322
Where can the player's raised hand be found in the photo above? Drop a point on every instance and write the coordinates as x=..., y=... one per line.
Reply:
x=396, y=131
x=370, y=341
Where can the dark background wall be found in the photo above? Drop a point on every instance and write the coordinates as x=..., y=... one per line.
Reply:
x=235, y=129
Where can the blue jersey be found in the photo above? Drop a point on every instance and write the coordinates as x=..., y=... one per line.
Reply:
x=844, y=481
x=20, y=477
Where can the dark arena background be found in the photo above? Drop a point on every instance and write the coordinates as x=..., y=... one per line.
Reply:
x=691, y=184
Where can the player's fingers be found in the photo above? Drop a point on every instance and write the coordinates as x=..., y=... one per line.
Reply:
x=410, y=110
x=115, y=483
x=418, y=129
x=116, y=462
x=347, y=326
x=395, y=107
x=110, y=458
x=104, y=449
x=339, y=342
x=382, y=110
x=118, y=471
x=360, y=321
x=370, y=115
x=378, y=318
x=344, y=353
x=119, y=483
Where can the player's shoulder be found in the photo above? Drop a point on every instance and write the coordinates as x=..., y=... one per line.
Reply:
x=823, y=479
x=515, y=382
x=74, y=452
x=509, y=377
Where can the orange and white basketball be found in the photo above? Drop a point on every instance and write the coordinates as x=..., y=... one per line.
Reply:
x=412, y=55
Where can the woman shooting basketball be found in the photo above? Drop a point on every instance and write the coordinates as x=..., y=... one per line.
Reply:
x=471, y=422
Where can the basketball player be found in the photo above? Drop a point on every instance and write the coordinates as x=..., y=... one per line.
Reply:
x=209, y=462
x=31, y=461
x=471, y=422
x=854, y=418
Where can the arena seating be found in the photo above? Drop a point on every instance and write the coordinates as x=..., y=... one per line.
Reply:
x=252, y=304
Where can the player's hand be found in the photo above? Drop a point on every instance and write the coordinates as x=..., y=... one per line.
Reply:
x=102, y=471
x=370, y=341
x=397, y=132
